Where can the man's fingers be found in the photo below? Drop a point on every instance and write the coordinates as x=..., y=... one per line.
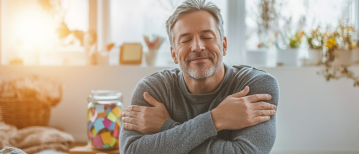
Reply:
x=242, y=93
x=263, y=106
x=150, y=99
x=260, y=119
x=258, y=97
x=129, y=126
x=135, y=108
x=130, y=114
x=130, y=120
x=264, y=112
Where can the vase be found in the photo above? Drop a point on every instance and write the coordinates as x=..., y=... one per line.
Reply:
x=257, y=57
x=315, y=56
x=342, y=57
x=151, y=57
x=288, y=57
x=102, y=58
x=355, y=57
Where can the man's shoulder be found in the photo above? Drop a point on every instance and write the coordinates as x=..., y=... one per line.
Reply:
x=158, y=85
x=244, y=75
x=249, y=72
x=167, y=76
x=258, y=80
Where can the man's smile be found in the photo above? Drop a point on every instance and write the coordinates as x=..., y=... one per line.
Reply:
x=199, y=59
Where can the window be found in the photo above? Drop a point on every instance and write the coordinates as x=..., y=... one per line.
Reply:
x=315, y=12
x=289, y=15
x=28, y=32
x=43, y=32
x=131, y=20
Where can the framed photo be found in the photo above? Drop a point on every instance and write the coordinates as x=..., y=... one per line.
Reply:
x=131, y=53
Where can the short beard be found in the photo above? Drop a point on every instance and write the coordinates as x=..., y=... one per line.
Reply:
x=201, y=72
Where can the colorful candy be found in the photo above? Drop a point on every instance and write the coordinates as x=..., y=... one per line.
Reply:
x=104, y=122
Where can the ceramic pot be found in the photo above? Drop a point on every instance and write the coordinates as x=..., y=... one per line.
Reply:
x=102, y=58
x=355, y=57
x=257, y=57
x=151, y=57
x=315, y=56
x=342, y=57
x=288, y=57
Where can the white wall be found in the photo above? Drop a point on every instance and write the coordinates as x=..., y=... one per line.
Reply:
x=313, y=115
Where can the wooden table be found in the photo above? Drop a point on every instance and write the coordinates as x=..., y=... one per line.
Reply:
x=82, y=148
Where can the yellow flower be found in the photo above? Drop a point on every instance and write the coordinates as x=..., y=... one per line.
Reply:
x=332, y=41
x=329, y=46
x=349, y=28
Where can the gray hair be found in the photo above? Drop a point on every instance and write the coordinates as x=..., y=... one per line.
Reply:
x=190, y=6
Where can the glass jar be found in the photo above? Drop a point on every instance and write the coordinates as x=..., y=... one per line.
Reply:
x=104, y=119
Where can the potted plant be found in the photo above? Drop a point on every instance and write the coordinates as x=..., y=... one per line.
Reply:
x=340, y=44
x=315, y=40
x=259, y=56
x=290, y=55
x=356, y=53
x=266, y=17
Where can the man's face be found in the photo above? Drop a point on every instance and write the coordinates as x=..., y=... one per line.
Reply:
x=198, y=47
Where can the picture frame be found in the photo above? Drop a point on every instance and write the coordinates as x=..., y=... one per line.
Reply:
x=131, y=53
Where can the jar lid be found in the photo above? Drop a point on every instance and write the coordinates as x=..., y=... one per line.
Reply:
x=104, y=95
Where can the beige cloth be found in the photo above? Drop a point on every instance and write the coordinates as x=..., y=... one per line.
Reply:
x=11, y=150
x=34, y=139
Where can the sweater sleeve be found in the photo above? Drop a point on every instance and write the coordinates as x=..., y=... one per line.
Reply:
x=169, y=123
x=179, y=139
x=257, y=139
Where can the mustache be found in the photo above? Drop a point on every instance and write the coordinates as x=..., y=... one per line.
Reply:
x=194, y=55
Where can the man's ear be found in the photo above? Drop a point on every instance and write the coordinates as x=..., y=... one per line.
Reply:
x=224, y=46
x=173, y=54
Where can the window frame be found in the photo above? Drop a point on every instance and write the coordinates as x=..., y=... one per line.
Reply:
x=103, y=24
x=237, y=26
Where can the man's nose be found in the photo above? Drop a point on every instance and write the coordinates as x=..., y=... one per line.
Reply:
x=197, y=45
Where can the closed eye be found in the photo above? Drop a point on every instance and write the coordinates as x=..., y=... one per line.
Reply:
x=185, y=41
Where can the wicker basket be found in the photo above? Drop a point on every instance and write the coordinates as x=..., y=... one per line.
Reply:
x=24, y=113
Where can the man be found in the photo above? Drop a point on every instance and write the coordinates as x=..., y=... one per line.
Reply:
x=206, y=106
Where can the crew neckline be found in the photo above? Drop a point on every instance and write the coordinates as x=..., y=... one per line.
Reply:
x=186, y=92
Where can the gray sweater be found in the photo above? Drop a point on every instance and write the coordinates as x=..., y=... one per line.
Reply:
x=190, y=128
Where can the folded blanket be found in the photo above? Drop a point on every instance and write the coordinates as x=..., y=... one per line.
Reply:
x=11, y=150
x=34, y=139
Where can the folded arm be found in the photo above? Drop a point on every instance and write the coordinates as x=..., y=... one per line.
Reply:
x=198, y=135
x=256, y=139
x=180, y=139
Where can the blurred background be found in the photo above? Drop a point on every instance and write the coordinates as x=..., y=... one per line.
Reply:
x=61, y=32
x=310, y=46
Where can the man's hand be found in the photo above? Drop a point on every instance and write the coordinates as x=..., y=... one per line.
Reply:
x=147, y=120
x=237, y=112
